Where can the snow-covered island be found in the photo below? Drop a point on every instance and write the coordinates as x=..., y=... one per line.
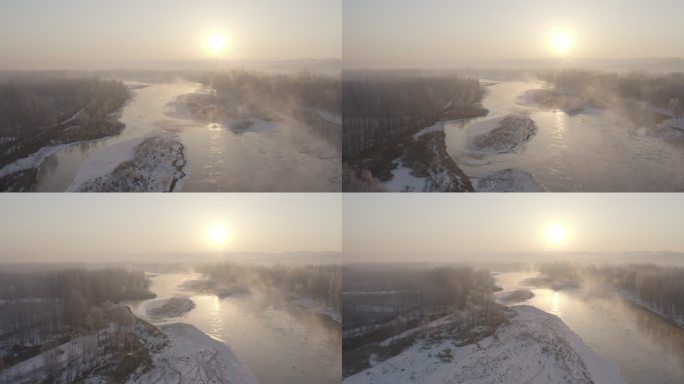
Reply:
x=171, y=307
x=502, y=134
x=515, y=296
x=154, y=165
x=532, y=346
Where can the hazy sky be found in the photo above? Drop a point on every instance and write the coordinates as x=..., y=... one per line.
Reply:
x=438, y=33
x=428, y=226
x=102, y=227
x=86, y=33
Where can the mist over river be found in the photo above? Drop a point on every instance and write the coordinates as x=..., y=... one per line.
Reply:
x=593, y=150
x=279, y=343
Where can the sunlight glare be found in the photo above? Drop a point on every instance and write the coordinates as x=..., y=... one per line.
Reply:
x=562, y=43
x=556, y=233
x=216, y=43
x=218, y=234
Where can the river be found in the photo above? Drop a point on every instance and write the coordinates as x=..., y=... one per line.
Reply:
x=645, y=347
x=286, y=157
x=277, y=343
x=595, y=150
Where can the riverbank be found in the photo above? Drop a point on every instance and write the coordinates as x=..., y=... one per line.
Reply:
x=133, y=353
x=192, y=357
x=21, y=175
x=634, y=299
x=155, y=165
x=533, y=347
x=425, y=166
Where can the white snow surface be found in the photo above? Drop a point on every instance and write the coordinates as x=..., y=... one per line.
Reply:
x=191, y=357
x=151, y=162
x=501, y=134
x=404, y=181
x=508, y=180
x=536, y=347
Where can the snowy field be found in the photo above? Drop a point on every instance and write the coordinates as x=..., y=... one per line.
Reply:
x=191, y=357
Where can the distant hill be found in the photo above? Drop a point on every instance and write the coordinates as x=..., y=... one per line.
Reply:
x=646, y=64
x=326, y=66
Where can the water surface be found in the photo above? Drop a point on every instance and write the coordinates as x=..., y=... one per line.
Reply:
x=284, y=157
x=278, y=343
x=596, y=150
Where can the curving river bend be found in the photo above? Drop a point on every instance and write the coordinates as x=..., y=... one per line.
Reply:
x=278, y=344
x=286, y=157
x=646, y=348
x=595, y=150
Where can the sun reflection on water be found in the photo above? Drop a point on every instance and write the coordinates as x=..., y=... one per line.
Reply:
x=555, y=303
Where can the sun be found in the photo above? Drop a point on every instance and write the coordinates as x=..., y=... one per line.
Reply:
x=556, y=234
x=217, y=234
x=562, y=42
x=216, y=43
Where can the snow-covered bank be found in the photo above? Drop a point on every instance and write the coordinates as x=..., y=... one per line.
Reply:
x=171, y=307
x=535, y=347
x=679, y=320
x=426, y=166
x=32, y=161
x=191, y=357
x=502, y=134
x=153, y=164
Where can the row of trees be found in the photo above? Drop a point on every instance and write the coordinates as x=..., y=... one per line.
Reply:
x=659, y=287
x=378, y=110
x=42, y=309
x=656, y=89
x=43, y=302
x=96, y=286
x=375, y=296
x=304, y=90
x=33, y=112
x=319, y=282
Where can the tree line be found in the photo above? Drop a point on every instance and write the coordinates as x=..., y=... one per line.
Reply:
x=377, y=110
x=63, y=298
x=373, y=296
x=658, y=89
x=42, y=309
x=659, y=287
x=306, y=89
x=31, y=110
x=319, y=282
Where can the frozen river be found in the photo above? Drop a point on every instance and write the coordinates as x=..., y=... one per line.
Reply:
x=284, y=157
